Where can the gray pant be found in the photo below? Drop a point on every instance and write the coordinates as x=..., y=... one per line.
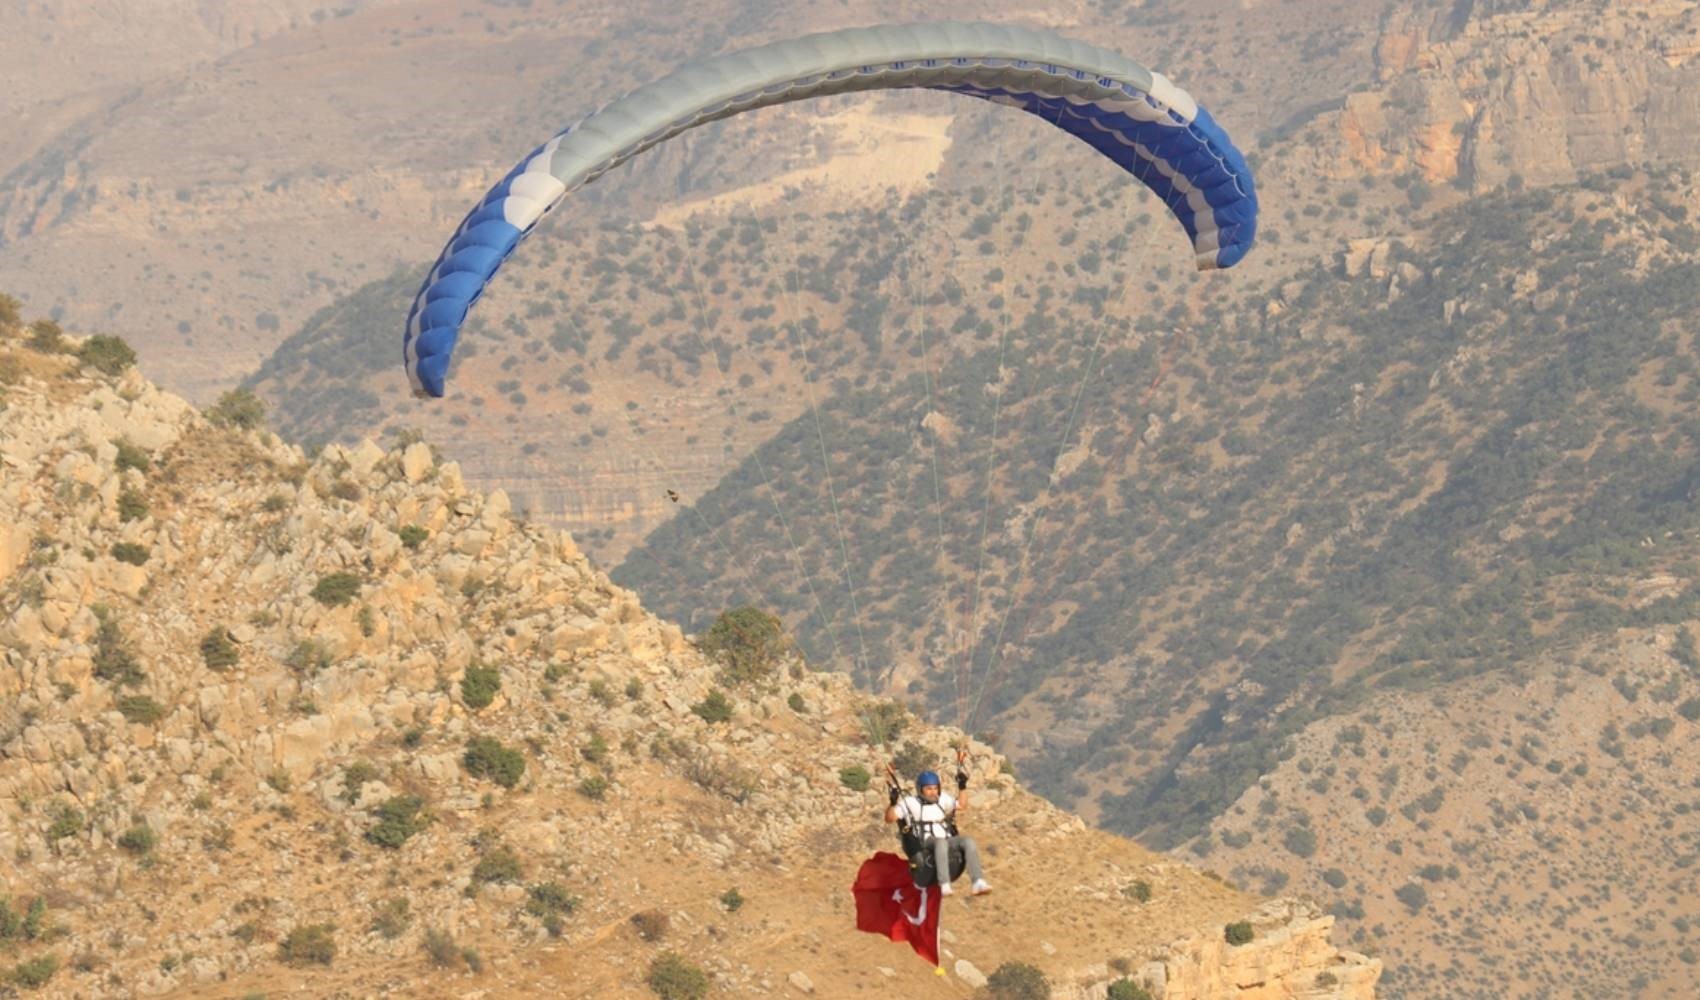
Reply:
x=941, y=856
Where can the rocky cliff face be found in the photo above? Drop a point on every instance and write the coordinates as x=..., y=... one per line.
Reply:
x=342, y=725
x=1542, y=91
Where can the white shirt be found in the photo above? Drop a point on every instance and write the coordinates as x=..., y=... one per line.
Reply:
x=926, y=819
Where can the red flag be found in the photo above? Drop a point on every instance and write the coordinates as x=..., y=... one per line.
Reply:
x=888, y=903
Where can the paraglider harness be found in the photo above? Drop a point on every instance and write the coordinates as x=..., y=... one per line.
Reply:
x=923, y=866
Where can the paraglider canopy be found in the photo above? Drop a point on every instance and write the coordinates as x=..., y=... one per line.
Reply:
x=1136, y=118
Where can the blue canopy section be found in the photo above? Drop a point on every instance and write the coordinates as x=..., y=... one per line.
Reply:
x=1139, y=120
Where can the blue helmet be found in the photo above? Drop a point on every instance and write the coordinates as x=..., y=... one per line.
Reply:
x=926, y=778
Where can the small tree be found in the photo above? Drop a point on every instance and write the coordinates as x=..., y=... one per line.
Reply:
x=34, y=974
x=130, y=457
x=140, y=709
x=1412, y=895
x=130, y=552
x=651, y=925
x=113, y=660
x=855, y=777
x=336, y=589
x=238, y=408
x=139, y=839
x=392, y=917
x=486, y=757
x=498, y=864
x=107, y=355
x=478, y=686
x=68, y=821
x=217, y=649
x=440, y=947
x=412, y=535
x=1127, y=989
x=673, y=978
x=1018, y=981
x=399, y=818
x=46, y=337
x=1239, y=932
x=714, y=708
x=748, y=643
x=309, y=944
x=132, y=506
x=1301, y=841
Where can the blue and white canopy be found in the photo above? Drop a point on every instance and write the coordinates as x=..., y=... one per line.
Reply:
x=1141, y=121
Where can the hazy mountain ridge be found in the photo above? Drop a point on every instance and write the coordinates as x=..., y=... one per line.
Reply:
x=297, y=166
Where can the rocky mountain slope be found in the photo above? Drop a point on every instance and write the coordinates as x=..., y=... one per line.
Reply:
x=339, y=724
x=1521, y=835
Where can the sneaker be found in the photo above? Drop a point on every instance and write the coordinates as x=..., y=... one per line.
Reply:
x=945, y=889
x=981, y=887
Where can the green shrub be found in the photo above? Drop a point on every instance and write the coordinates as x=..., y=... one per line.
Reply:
x=67, y=822
x=1690, y=709
x=855, y=777
x=130, y=552
x=440, y=947
x=35, y=918
x=1139, y=891
x=34, y=974
x=1335, y=878
x=748, y=643
x=399, y=817
x=47, y=337
x=355, y=775
x=392, y=917
x=308, y=944
x=131, y=457
x=308, y=656
x=1414, y=896
x=1127, y=989
x=238, y=408
x=275, y=503
x=140, y=709
x=412, y=535
x=139, y=839
x=107, y=355
x=913, y=758
x=132, y=506
x=1239, y=932
x=218, y=651
x=478, y=686
x=113, y=660
x=714, y=708
x=673, y=978
x=883, y=722
x=486, y=757
x=1300, y=840
x=797, y=704
x=336, y=589
x=1018, y=981
x=499, y=864
x=550, y=898
x=651, y=925
x=594, y=787
x=11, y=313
x=732, y=899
